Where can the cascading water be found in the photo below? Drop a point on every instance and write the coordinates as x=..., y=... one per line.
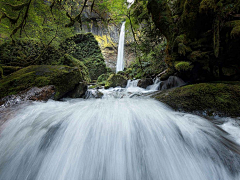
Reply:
x=115, y=139
x=120, y=58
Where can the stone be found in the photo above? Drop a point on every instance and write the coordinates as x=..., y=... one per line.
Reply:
x=115, y=80
x=144, y=83
x=64, y=78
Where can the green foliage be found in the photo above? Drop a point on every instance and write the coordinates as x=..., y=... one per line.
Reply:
x=102, y=79
x=183, y=66
x=37, y=21
x=207, y=5
x=152, y=62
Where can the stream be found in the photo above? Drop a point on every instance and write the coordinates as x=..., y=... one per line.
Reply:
x=122, y=136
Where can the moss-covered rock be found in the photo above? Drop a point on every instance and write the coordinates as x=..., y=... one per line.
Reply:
x=210, y=98
x=64, y=78
x=84, y=47
x=73, y=62
x=96, y=66
x=10, y=69
x=115, y=80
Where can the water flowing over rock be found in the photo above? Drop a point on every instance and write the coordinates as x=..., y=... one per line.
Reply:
x=120, y=139
x=120, y=59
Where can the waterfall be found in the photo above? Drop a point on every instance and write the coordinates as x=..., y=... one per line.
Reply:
x=155, y=85
x=115, y=139
x=120, y=58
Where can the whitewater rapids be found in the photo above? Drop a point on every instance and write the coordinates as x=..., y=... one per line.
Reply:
x=114, y=139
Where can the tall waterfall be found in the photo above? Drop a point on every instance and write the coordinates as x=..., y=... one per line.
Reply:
x=115, y=139
x=120, y=58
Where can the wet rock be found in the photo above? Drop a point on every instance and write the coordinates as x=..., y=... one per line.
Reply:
x=144, y=83
x=171, y=82
x=78, y=91
x=93, y=93
x=35, y=94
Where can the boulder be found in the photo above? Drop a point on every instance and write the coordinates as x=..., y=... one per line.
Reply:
x=144, y=83
x=171, y=82
x=221, y=99
x=78, y=91
x=115, y=80
x=84, y=47
x=64, y=78
x=34, y=94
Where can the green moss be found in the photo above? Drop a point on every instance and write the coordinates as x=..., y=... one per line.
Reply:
x=84, y=47
x=183, y=66
x=73, y=62
x=96, y=66
x=24, y=52
x=207, y=5
x=220, y=98
x=1, y=72
x=64, y=78
x=115, y=80
x=10, y=69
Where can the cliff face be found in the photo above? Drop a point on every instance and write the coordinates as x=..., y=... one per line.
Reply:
x=107, y=37
x=203, y=37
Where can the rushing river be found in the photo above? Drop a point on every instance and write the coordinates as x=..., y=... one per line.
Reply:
x=116, y=138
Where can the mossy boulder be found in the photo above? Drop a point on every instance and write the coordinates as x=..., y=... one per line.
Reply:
x=96, y=66
x=115, y=80
x=205, y=98
x=10, y=69
x=73, y=62
x=84, y=47
x=64, y=78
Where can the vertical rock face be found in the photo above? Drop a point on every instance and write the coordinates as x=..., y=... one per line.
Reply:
x=107, y=37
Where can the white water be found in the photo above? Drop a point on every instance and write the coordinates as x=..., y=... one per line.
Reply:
x=115, y=139
x=155, y=85
x=120, y=58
